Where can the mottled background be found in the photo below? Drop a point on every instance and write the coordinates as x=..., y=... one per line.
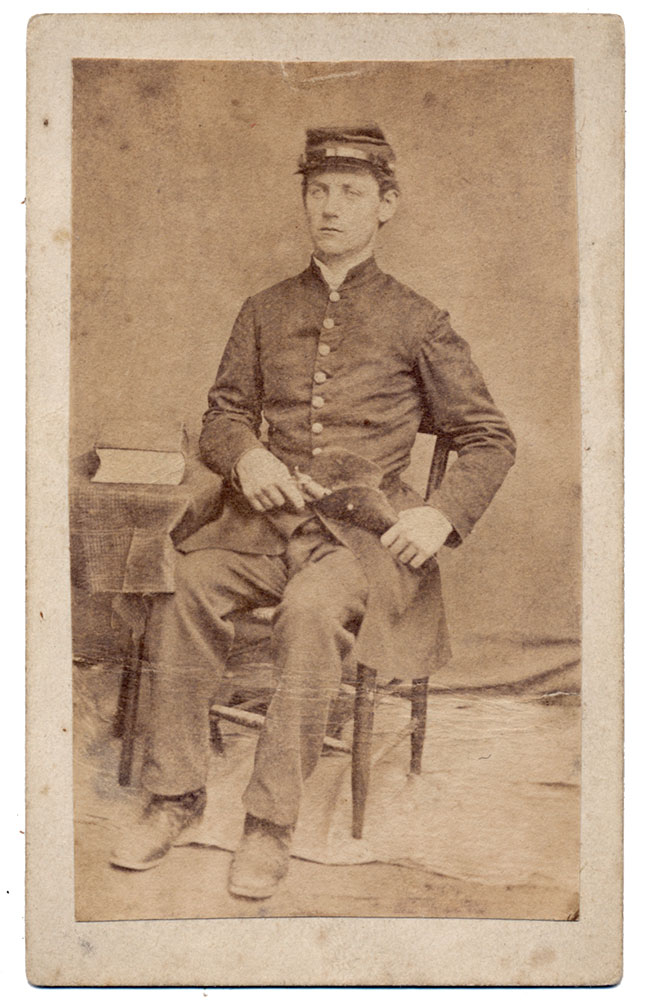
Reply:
x=185, y=202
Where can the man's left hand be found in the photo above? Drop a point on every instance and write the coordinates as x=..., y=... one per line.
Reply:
x=419, y=533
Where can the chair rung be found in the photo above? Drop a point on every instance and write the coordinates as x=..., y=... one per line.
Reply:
x=253, y=720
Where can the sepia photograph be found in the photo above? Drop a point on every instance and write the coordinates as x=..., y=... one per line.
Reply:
x=324, y=681
x=324, y=316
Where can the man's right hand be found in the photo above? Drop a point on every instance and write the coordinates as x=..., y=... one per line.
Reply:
x=266, y=481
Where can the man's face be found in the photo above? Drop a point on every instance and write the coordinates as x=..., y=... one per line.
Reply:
x=344, y=210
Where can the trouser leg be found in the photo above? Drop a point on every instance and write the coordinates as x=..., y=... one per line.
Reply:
x=311, y=638
x=188, y=639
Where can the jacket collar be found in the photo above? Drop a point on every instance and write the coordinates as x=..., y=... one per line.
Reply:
x=358, y=275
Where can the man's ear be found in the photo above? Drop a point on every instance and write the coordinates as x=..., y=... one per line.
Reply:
x=388, y=205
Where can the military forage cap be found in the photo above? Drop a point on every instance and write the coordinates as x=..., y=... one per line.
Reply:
x=364, y=144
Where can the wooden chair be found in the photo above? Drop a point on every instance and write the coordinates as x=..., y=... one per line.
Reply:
x=249, y=712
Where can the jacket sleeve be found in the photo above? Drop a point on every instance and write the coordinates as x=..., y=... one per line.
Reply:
x=231, y=425
x=457, y=404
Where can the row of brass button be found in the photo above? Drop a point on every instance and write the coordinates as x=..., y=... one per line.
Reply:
x=320, y=377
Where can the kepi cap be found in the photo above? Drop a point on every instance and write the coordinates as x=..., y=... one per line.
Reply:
x=363, y=145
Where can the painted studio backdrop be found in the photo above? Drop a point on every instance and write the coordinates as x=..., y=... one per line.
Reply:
x=186, y=201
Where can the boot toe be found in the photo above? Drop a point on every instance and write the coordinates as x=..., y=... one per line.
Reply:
x=260, y=863
x=147, y=843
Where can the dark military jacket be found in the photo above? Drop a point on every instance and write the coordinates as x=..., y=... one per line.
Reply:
x=364, y=368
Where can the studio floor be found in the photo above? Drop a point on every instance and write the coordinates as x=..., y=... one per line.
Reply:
x=490, y=829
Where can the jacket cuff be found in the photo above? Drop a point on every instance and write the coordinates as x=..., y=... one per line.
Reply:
x=223, y=441
x=460, y=524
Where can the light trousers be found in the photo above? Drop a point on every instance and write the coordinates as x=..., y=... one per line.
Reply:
x=321, y=593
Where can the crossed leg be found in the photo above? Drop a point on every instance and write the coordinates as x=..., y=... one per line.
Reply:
x=324, y=591
x=323, y=602
x=321, y=592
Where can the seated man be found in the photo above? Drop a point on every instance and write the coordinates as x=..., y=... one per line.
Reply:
x=342, y=355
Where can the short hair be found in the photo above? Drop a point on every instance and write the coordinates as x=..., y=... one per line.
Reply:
x=386, y=182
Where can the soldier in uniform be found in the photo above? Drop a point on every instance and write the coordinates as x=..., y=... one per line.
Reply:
x=340, y=356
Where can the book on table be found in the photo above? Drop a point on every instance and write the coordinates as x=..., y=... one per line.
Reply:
x=146, y=452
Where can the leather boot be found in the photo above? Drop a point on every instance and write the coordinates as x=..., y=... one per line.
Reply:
x=161, y=823
x=262, y=859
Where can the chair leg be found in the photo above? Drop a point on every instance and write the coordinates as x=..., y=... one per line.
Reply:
x=216, y=735
x=364, y=712
x=126, y=721
x=124, y=695
x=419, y=698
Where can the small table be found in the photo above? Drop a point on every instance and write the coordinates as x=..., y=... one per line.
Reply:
x=122, y=542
